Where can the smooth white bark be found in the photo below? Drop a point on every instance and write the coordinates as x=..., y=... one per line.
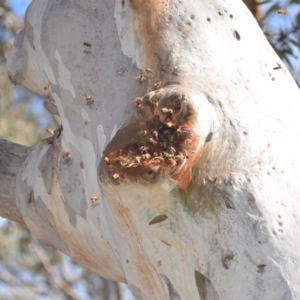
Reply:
x=233, y=232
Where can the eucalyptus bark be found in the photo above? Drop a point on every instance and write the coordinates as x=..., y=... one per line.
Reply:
x=176, y=166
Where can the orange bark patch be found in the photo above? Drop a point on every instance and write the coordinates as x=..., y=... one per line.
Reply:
x=150, y=22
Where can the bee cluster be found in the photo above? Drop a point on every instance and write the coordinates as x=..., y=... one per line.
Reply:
x=160, y=144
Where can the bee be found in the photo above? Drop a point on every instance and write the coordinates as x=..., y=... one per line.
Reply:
x=132, y=164
x=282, y=12
x=159, y=158
x=144, y=149
x=155, y=133
x=82, y=165
x=169, y=124
x=156, y=85
x=95, y=198
x=172, y=150
x=172, y=162
x=123, y=161
x=106, y=159
x=138, y=101
x=152, y=141
x=46, y=87
x=67, y=154
x=166, y=110
x=137, y=159
x=90, y=98
x=87, y=44
x=50, y=131
x=277, y=67
x=146, y=156
x=179, y=157
x=141, y=78
x=144, y=132
x=115, y=176
x=186, y=30
x=148, y=70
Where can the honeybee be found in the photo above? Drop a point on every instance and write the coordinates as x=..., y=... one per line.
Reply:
x=50, y=131
x=67, y=154
x=282, y=12
x=144, y=149
x=172, y=150
x=141, y=78
x=87, y=44
x=179, y=157
x=46, y=87
x=169, y=124
x=95, y=198
x=146, y=156
x=159, y=158
x=115, y=176
x=156, y=85
x=152, y=141
x=90, y=98
x=172, y=162
x=148, y=70
x=106, y=159
x=137, y=159
x=155, y=133
x=138, y=101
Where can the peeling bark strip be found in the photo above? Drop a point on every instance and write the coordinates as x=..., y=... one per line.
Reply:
x=173, y=294
x=200, y=282
x=11, y=159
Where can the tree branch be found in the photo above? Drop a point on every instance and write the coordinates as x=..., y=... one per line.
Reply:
x=11, y=158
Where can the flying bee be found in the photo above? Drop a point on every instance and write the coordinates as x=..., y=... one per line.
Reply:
x=148, y=70
x=87, y=44
x=282, y=12
x=138, y=101
x=95, y=198
x=46, y=87
x=50, y=131
x=106, y=159
x=144, y=132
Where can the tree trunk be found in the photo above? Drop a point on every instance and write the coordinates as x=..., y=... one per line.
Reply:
x=176, y=166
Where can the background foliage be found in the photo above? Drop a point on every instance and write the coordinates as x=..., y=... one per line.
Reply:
x=29, y=269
